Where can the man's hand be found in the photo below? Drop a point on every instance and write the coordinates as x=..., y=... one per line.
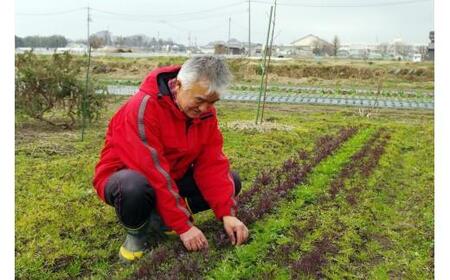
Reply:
x=194, y=239
x=236, y=230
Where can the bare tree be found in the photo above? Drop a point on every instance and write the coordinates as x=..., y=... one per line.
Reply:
x=96, y=42
x=336, y=45
x=317, y=47
x=423, y=50
x=401, y=48
x=119, y=41
x=383, y=48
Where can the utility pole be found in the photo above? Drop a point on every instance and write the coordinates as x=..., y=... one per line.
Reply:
x=88, y=20
x=84, y=97
x=249, y=40
x=229, y=34
x=157, y=42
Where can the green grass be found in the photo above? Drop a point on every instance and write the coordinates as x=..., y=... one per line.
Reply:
x=403, y=205
x=63, y=231
x=243, y=262
x=386, y=232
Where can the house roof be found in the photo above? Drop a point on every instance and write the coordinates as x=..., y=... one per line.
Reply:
x=308, y=41
x=233, y=43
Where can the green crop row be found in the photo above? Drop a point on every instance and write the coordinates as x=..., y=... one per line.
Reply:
x=241, y=263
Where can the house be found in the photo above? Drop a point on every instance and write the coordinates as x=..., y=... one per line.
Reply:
x=417, y=57
x=208, y=48
x=310, y=45
x=256, y=49
x=358, y=51
x=233, y=47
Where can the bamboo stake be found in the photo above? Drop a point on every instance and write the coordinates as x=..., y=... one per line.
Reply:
x=263, y=66
x=268, y=62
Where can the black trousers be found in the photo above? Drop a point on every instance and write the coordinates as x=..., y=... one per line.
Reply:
x=129, y=192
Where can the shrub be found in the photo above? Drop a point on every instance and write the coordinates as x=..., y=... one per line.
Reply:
x=52, y=89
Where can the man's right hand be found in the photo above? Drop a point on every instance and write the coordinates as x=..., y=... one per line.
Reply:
x=194, y=239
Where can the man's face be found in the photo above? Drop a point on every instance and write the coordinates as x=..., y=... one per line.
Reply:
x=195, y=100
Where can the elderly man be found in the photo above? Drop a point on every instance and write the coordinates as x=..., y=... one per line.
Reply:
x=163, y=157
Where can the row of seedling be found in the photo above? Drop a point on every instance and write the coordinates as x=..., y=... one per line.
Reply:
x=311, y=262
x=338, y=91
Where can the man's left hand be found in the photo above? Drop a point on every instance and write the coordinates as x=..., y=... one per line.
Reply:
x=235, y=229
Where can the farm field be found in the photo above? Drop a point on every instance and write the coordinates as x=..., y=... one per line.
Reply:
x=328, y=193
x=366, y=100
x=332, y=73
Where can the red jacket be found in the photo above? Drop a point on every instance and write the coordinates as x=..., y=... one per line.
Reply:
x=149, y=134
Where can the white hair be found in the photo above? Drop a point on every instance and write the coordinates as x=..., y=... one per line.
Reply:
x=210, y=69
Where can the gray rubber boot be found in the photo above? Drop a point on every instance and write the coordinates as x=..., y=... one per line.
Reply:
x=135, y=244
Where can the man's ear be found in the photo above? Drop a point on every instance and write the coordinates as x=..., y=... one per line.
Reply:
x=177, y=84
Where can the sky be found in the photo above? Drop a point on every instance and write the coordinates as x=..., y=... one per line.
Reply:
x=203, y=21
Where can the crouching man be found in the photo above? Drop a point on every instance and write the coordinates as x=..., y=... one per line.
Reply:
x=163, y=158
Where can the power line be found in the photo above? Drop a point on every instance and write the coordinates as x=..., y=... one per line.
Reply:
x=221, y=13
x=172, y=22
x=139, y=18
x=51, y=13
x=240, y=25
x=170, y=15
x=133, y=15
x=176, y=27
x=156, y=20
x=343, y=5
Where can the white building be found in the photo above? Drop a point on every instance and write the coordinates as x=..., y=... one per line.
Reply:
x=309, y=44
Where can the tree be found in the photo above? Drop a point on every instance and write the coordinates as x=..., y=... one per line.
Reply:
x=96, y=42
x=119, y=41
x=33, y=42
x=399, y=48
x=54, y=41
x=316, y=47
x=105, y=37
x=19, y=42
x=49, y=87
x=423, y=50
x=336, y=45
x=153, y=42
x=321, y=48
x=383, y=48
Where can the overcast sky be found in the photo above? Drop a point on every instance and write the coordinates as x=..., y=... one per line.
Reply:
x=204, y=21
